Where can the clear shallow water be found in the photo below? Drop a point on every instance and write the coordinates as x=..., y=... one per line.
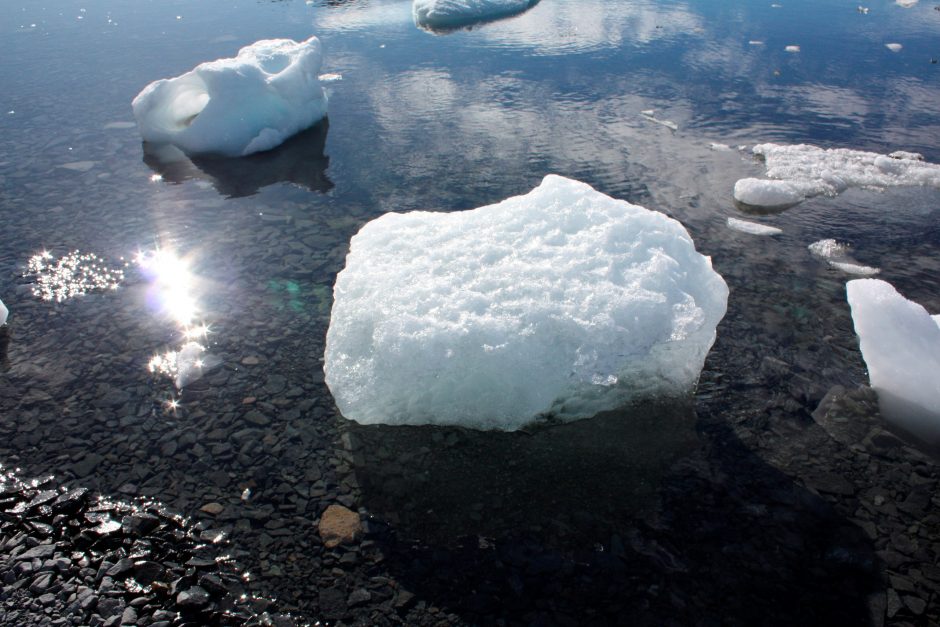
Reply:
x=419, y=121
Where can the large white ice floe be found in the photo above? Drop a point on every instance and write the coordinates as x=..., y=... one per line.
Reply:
x=561, y=302
x=803, y=171
x=234, y=107
x=900, y=343
x=444, y=14
x=4, y=312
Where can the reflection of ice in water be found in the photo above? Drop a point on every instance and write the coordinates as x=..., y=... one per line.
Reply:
x=75, y=274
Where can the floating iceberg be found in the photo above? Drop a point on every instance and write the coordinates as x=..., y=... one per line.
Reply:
x=752, y=228
x=235, y=107
x=900, y=343
x=802, y=171
x=4, y=312
x=837, y=256
x=444, y=14
x=561, y=302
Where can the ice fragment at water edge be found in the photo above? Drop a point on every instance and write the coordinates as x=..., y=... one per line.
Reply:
x=561, y=301
x=237, y=106
x=900, y=343
x=4, y=312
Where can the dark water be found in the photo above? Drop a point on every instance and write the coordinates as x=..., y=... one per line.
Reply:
x=451, y=122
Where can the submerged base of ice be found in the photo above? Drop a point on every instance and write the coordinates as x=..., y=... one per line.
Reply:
x=561, y=302
x=837, y=256
x=803, y=171
x=900, y=343
x=450, y=14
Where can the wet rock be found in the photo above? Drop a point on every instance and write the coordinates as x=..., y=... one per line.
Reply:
x=193, y=597
x=213, y=509
x=338, y=524
x=333, y=602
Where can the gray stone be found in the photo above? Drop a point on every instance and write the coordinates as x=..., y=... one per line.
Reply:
x=193, y=597
x=41, y=551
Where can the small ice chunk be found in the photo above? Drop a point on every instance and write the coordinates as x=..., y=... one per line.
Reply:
x=894, y=47
x=755, y=42
x=562, y=302
x=185, y=365
x=837, y=256
x=862, y=10
x=719, y=147
x=769, y=194
x=900, y=343
x=752, y=228
x=803, y=171
x=792, y=48
x=907, y=4
x=238, y=106
x=4, y=312
x=445, y=14
x=330, y=77
x=648, y=115
x=79, y=166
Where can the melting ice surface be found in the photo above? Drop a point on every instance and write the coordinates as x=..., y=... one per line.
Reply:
x=900, y=343
x=562, y=301
x=237, y=106
x=752, y=228
x=837, y=255
x=455, y=13
x=802, y=171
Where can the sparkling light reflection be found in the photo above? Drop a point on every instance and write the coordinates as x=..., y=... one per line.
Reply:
x=173, y=282
x=74, y=274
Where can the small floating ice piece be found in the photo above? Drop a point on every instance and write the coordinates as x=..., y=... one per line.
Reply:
x=4, y=312
x=768, y=194
x=802, y=171
x=837, y=256
x=894, y=47
x=185, y=365
x=648, y=114
x=330, y=77
x=237, y=106
x=862, y=10
x=900, y=343
x=79, y=166
x=792, y=48
x=444, y=14
x=755, y=42
x=907, y=4
x=752, y=228
x=562, y=301
x=719, y=147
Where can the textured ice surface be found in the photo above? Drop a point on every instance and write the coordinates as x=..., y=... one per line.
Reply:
x=456, y=13
x=894, y=47
x=4, y=312
x=900, y=342
x=237, y=106
x=837, y=255
x=562, y=301
x=753, y=228
x=802, y=171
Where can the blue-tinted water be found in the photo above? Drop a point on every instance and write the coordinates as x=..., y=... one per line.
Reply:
x=419, y=121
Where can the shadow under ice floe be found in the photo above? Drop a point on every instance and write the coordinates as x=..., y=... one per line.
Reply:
x=300, y=161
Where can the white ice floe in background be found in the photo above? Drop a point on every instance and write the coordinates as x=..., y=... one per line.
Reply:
x=237, y=106
x=802, y=171
x=900, y=343
x=455, y=13
x=894, y=47
x=907, y=4
x=837, y=256
x=792, y=48
x=752, y=228
x=562, y=301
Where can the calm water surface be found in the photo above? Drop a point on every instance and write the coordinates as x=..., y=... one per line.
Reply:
x=418, y=121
